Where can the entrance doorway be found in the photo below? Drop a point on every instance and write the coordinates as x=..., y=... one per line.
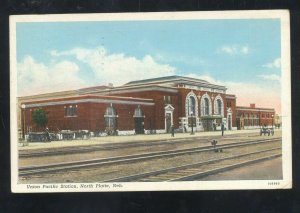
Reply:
x=229, y=119
x=139, y=125
x=139, y=120
x=168, y=122
x=229, y=122
x=207, y=124
x=168, y=117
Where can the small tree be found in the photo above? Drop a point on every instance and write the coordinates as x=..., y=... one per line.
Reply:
x=39, y=117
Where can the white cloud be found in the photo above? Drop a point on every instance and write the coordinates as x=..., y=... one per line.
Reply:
x=117, y=67
x=272, y=77
x=234, y=49
x=62, y=74
x=274, y=64
x=247, y=93
x=245, y=50
x=34, y=77
x=229, y=50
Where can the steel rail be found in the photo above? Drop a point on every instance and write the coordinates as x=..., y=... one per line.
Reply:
x=225, y=168
x=140, y=177
x=41, y=152
x=131, y=158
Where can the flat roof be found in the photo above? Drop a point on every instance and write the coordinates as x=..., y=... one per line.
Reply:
x=168, y=78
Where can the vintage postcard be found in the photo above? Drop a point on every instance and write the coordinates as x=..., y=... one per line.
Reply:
x=150, y=101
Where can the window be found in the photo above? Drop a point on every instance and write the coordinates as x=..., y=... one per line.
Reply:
x=206, y=106
x=70, y=110
x=192, y=106
x=219, y=107
x=167, y=99
x=138, y=112
x=110, y=118
x=110, y=111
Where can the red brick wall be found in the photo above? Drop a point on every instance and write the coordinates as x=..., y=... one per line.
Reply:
x=232, y=104
x=58, y=120
x=158, y=115
x=265, y=116
x=177, y=101
x=90, y=116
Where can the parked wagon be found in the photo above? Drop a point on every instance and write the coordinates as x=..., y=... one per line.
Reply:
x=42, y=137
x=268, y=131
x=82, y=134
x=59, y=135
x=67, y=134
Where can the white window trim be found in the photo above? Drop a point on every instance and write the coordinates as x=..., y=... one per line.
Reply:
x=218, y=97
x=202, y=103
x=187, y=99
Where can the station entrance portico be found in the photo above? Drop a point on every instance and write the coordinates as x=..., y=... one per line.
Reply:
x=207, y=124
x=168, y=117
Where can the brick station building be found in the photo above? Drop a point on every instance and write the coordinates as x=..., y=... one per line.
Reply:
x=252, y=117
x=143, y=107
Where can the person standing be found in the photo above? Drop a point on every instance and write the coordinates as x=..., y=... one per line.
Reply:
x=222, y=128
x=172, y=130
x=48, y=135
x=214, y=126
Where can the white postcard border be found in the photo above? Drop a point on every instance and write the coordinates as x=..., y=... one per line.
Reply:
x=160, y=186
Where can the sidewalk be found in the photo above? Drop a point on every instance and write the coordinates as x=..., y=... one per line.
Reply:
x=130, y=138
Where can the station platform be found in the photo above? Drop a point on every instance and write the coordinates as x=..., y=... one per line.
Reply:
x=132, y=138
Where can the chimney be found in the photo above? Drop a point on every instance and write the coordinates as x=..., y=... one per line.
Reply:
x=252, y=106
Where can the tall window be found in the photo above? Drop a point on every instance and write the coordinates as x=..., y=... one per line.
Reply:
x=70, y=110
x=206, y=106
x=219, y=107
x=167, y=99
x=192, y=107
x=138, y=112
x=110, y=118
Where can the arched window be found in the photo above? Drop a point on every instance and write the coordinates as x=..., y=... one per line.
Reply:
x=110, y=119
x=219, y=107
x=110, y=111
x=206, y=106
x=192, y=106
x=138, y=112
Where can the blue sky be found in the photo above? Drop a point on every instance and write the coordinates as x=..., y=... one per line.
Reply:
x=67, y=55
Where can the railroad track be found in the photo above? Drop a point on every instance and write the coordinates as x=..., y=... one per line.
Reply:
x=92, y=148
x=202, y=169
x=25, y=171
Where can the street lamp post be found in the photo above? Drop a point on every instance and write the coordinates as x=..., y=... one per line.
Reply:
x=272, y=120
